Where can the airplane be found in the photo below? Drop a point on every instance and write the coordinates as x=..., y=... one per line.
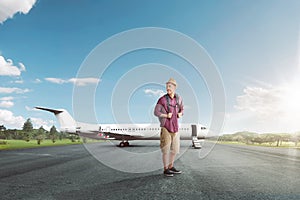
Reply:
x=124, y=132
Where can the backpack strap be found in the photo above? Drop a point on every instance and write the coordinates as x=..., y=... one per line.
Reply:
x=168, y=101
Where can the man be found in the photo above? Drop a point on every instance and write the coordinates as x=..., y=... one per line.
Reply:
x=168, y=109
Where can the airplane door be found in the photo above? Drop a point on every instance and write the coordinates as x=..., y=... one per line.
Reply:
x=107, y=129
x=194, y=130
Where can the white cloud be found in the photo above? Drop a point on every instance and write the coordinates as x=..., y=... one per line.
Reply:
x=6, y=104
x=38, y=122
x=8, y=8
x=84, y=81
x=8, y=119
x=153, y=92
x=29, y=108
x=263, y=101
x=6, y=99
x=18, y=81
x=75, y=81
x=266, y=109
x=7, y=67
x=56, y=80
x=22, y=67
x=37, y=81
x=7, y=90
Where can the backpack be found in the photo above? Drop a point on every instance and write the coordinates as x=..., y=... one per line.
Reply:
x=168, y=101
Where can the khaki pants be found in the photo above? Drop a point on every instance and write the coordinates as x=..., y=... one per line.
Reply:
x=169, y=141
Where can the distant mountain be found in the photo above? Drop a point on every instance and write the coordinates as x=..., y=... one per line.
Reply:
x=244, y=133
x=270, y=138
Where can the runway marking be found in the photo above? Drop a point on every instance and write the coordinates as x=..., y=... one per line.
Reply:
x=34, y=154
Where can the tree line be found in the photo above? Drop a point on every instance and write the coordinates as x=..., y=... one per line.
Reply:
x=267, y=138
x=29, y=133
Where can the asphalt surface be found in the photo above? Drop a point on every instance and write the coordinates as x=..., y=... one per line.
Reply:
x=227, y=172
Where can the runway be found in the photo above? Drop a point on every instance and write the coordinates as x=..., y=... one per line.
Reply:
x=227, y=172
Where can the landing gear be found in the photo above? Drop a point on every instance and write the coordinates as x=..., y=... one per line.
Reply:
x=124, y=144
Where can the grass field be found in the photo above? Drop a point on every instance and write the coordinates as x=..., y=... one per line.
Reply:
x=21, y=144
x=283, y=145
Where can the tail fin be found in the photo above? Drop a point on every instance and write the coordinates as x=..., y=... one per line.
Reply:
x=66, y=121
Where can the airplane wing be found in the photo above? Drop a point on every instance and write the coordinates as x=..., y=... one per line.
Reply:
x=117, y=135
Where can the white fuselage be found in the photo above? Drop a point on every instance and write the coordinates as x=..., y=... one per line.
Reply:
x=124, y=132
x=133, y=131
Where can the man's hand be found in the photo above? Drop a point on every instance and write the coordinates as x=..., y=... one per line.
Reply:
x=169, y=115
x=179, y=115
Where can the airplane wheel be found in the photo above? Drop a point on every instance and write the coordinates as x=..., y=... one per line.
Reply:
x=126, y=144
x=122, y=144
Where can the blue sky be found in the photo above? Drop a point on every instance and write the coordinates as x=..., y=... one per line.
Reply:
x=254, y=45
